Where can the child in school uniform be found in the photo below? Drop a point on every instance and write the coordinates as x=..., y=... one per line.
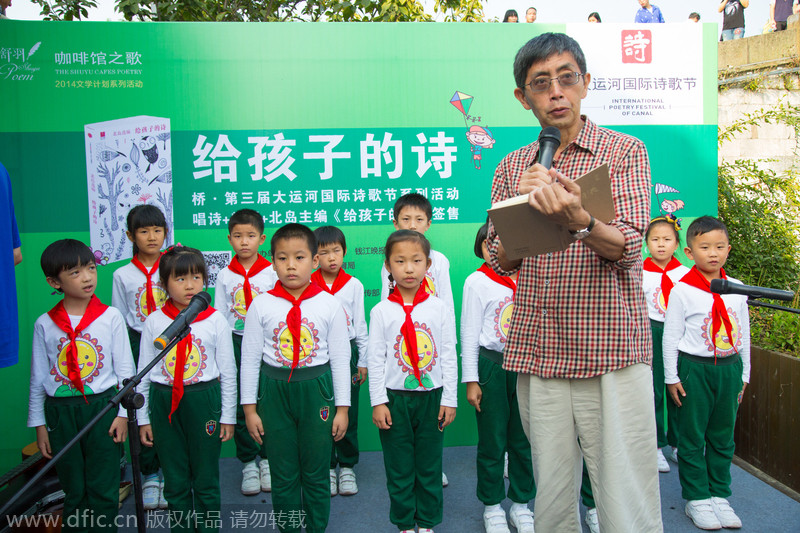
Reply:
x=296, y=381
x=661, y=272
x=247, y=276
x=189, y=396
x=137, y=292
x=706, y=367
x=331, y=277
x=413, y=377
x=486, y=310
x=81, y=354
x=414, y=211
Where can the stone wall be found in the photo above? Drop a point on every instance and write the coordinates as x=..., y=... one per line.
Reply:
x=756, y=73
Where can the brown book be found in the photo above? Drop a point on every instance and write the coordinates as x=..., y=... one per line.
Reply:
x=525, y=232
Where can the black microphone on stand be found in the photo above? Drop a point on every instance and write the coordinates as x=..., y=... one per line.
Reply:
x=723, y=286
x=197, y=305
x=549, y=141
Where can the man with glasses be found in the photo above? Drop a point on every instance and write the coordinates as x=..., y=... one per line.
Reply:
x=580, y=336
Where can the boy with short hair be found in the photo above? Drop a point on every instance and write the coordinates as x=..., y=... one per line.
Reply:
x=331, y=277
x=706, y=368
x=294, y=375
x=413, y=211
x=248, y=275
x=81, y=354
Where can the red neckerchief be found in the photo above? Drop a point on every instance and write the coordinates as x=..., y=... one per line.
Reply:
x=666, y=282
x=61, y=319
x=181, y=352
x=407, y=329
x=150, y=300
x=237, y=268
x=505, y=281
x=719, y=315
x=341, y=280
x=294, y=316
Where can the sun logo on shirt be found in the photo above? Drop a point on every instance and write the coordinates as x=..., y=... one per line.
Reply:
x=239, y=303
x=658, y=302
x=430, y=286
x=192, y=368
x=502, y=318
x=282, y=342
x=90, y=361
x=724, y=345
x=141, y=300
x=426, y=351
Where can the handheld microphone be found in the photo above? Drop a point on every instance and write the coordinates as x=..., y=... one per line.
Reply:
x=723, y=286
x=549, y=141
x=197, y=305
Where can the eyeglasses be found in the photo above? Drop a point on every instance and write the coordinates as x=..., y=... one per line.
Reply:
x=567, y=79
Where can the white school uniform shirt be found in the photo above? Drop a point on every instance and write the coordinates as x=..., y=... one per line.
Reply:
x=651, y=284
x=129, y=294
x=103, y=349
x=351, y=296
x=389, y=368
x=324, y=340
x=438, y=277
x=687, y=328
x=486, y=310
x=229, y=294
x=210, y=358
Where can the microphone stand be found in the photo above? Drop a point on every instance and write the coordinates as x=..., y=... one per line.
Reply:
x=132, y=401
x=756, y=303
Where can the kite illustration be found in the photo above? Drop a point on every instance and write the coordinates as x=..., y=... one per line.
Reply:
x=479, y=137
x=668, y=207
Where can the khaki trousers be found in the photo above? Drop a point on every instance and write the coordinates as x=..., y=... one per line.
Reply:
x=612, y=415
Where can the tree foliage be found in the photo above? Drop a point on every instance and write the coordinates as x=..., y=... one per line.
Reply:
x=65, y=9
x=762, y=211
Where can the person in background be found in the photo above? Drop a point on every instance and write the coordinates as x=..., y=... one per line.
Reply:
x=779, y=11
x=594, y=16
x=511, y=16
x=732, y=18
x=530, y=14
x=4, y=5
x=11, y=256
x=694, y=16
x=648, y=13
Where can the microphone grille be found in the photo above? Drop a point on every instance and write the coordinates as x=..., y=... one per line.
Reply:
x=550, y=133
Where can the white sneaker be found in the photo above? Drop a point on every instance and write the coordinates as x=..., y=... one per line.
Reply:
x=494, y=521
x=425, y=530
x=663, y=465
x=334, y=484
x=265, y=476
x=151, y=491
x=674, y=455
x=727, y=518
x=445, y=482
x=250, y=482
x=162, y=501
x=591, y=520
x=505, y=466
x=702, y=514
x=521, y=518
x=347, y=482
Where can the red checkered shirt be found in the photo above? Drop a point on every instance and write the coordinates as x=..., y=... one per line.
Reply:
x=576, y=314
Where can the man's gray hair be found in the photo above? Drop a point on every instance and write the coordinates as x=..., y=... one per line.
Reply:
x=540, y=48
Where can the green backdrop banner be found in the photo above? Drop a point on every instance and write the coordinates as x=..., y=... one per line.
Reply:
x=314, y=123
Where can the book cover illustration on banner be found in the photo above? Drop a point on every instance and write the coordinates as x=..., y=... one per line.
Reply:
x=128, y=162
x=479, y=137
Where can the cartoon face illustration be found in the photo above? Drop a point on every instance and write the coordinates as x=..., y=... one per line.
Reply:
x=426, y=350
x=724, y=345
x=239, y=303
x=479, y=136
x=89, y=359
x=670, y=206
x=193, y=366
x=159, y=294
x=283, y=343
x=502, y=319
